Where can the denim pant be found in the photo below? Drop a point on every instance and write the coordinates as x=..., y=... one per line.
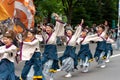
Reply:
x=37, y=66
x=7, y=70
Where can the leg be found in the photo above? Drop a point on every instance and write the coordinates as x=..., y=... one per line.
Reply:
x=69, y=66
x=85, y=65
x=46, y=69
x=101, y=61
x=108, y=56
x=81, y=63
x=37, y=69
x=97, y=55
x=12, y=75
x=4, y=71
x=26, y=69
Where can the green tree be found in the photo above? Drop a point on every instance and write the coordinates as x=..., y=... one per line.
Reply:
x=46, y=7
x=93, y=11
x=68, y=7
x=109, y=10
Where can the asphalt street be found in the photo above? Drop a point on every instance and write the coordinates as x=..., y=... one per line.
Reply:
x=111, y=72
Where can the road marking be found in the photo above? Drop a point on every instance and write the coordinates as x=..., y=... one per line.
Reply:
x=115, y=55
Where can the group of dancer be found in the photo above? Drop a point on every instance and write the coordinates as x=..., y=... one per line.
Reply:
x=46, y=64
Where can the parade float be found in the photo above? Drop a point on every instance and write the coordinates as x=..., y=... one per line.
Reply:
x=17, y=14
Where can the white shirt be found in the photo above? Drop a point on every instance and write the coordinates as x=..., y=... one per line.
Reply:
x=59, y=31
x=28, y=49
x=6, y=52
x=86, y=40
x=72, y=41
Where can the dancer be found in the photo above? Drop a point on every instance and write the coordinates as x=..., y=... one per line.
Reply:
x=84, y=54
x=50, y=57
x=30, y=52
x=7, y=57
x=109, y=49
x=69, y=58
x=101, y=46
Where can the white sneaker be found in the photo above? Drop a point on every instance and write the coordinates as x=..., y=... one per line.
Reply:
x=85, y=70
x=58, y=70
x=68, y=75
x=103, y=66
x=107, y=61
x=51, y=79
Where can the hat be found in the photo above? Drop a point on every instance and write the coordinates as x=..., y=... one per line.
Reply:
x=9, y=34
x=51, y=25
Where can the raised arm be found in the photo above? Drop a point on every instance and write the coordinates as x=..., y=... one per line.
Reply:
x=78, y=30
x=59, y=27
x=104, y=32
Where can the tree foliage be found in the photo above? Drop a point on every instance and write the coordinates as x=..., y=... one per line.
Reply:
x=92, y=11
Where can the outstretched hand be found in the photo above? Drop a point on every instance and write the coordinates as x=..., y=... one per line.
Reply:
x=82, y=21
x=56, y=16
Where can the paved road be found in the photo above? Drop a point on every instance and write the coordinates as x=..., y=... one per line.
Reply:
x=111, y=72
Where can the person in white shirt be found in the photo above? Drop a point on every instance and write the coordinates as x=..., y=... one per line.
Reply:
x=109, y=49
x=69, y=58
x=84, y=54
x=7, y=57
x=101, y=46
x=30, y=52
x=50, y=56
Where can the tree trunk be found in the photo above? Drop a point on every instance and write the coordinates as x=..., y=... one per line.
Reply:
x=69, y=16
x=49, y=17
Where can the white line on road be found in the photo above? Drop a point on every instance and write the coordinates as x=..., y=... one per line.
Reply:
x=111, y=56
x=115, y=55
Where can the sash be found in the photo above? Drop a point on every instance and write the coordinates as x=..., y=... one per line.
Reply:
x=83, y=40
x=48, y=38
x=69, y=39
x=99, y=35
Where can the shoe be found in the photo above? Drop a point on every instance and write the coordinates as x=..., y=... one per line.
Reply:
x=85, y=70
x=76, y=68
x=58, y=70
x=103, y=66
x=68, y=75
x=51, y=79
x=20, y=78
x=107, y=61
